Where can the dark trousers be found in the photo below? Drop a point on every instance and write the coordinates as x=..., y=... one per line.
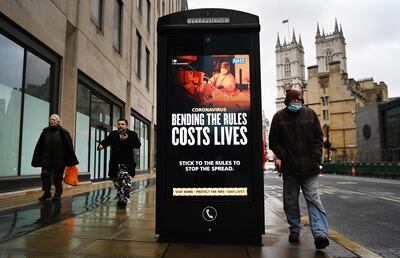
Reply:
x=57, y=175
x=123, y=185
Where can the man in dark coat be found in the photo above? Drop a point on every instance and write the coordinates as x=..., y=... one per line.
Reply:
x=122, y=142
x=296, y=140
x=53, y=152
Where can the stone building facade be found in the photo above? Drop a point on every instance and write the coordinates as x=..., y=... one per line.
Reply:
x=92, y=62
x=333, y=96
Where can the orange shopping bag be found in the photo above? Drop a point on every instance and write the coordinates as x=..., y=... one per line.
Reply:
x=71, y=176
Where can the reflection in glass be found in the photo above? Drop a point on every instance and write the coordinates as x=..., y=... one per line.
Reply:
x=141, y=154
x=96, y=11
x=83, y=100
x=82, y=127
x=116, y=116
x=11, y=70
x=392, y=128
x=142, y=137
x=82, y=141
x=93, y=153
x=100, y=110
x=36, y=108
x=117, y=25
x=97, y=158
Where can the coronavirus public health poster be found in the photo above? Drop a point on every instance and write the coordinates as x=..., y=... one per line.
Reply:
x=209, y=127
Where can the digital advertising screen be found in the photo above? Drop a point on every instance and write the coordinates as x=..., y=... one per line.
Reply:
x=209, y=127
x=209, y=133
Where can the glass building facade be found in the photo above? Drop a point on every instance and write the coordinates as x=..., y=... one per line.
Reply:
x=28, y=91
x=96, y=116
x=391, y=125
x=142, y=155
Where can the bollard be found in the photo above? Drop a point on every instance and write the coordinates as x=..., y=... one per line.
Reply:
x=353, y=170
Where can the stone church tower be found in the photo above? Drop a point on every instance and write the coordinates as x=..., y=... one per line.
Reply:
x=330, y=48
x=289, y=67
x=328, y=90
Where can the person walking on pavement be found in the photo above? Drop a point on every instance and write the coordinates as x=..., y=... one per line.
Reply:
x=122, y=142
x=53, y=152
x=296, y=140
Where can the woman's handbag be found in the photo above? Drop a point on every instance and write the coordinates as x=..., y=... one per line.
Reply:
x=71, y=176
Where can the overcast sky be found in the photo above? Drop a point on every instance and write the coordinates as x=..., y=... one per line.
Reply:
x=371, y=29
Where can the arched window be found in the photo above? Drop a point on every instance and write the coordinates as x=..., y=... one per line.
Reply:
x=287, y=67
x=328, y=59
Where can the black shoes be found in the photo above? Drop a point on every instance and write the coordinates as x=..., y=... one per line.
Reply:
x=294, y=237
x=56, y=198
x=45, y=196
x=321, y=242
x=121, y=204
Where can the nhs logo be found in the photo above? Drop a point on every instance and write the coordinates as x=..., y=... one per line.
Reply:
x=238, y=60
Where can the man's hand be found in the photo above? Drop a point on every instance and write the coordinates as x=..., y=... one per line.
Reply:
x=100, y=147
x=278, y=164
x=123, y=137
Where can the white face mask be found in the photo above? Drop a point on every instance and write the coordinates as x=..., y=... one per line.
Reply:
x=224, y=71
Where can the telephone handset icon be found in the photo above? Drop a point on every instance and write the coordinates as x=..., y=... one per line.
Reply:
x=209, y=213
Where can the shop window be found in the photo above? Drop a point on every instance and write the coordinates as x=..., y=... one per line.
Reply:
x=95, y=117
x=142, y=154
x=100, y=110
x=29, y=73
x=82, y=127
x=36, y=108
x=116, y=116
x=25, y=104
x=11, y=75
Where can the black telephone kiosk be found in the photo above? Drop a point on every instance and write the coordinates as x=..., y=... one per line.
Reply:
x=209, y=159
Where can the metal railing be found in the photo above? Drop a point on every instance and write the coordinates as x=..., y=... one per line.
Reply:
x=378, y=156
x=391, y=155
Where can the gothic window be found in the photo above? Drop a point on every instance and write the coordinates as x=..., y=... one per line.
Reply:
x=328, y=59
x=287, y=67
x=325, y=101
x=379, y=97
x=325, y=114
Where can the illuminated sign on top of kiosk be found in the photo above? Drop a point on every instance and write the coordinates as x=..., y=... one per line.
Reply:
x=205, y=20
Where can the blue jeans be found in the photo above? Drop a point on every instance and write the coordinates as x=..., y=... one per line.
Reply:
x=316, y=212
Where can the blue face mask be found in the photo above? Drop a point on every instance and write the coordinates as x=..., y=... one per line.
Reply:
x=295, y=107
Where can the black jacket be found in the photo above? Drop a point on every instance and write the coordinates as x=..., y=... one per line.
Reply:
x=70, y=158
x=296, y=139
x=121, y=151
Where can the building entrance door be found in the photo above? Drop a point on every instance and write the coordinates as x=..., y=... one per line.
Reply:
x=99, y=159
